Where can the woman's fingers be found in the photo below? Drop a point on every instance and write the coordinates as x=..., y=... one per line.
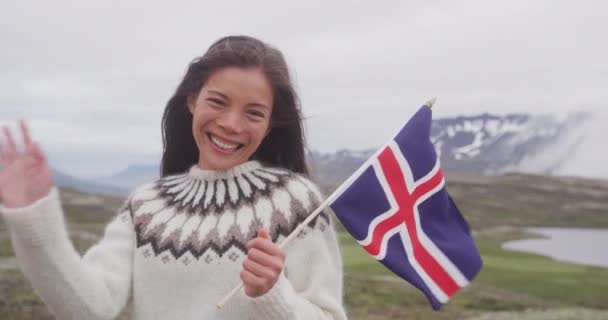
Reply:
x=8, y=147
x=3, y=161
x=12, y=147
x=266, y=246
x=252, y=282
x=33, y=148
x=259, y=269
x=25, y=131
x=255, y=285
x=8, y=153
x=36, y=152
x=263, y=265
x=263, y=243
x=265, y=259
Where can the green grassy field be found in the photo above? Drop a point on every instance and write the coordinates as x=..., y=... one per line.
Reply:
x=509, y=281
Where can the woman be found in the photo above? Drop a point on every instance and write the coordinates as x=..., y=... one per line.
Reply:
x=233, y=184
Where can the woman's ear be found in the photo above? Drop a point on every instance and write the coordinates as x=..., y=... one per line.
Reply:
x=190, y=102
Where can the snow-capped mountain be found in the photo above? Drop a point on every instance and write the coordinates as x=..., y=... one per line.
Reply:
x=485, y=144
x=491, y=144
x=329, y=169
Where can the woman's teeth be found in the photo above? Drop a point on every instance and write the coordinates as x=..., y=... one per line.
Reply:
x=223, y=145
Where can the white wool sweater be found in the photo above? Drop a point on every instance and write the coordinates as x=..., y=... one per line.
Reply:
x=177, y=246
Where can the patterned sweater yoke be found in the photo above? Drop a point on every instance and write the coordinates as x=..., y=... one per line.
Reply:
x=202, y=212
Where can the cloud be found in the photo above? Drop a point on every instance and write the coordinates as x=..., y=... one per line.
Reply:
x=97, y=75
x=589, y=158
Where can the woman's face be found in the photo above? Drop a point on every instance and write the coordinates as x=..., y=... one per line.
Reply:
x=231, y=116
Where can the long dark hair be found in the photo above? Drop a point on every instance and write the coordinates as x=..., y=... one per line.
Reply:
x=284, y=144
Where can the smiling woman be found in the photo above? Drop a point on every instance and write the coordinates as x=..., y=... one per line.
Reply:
x=231, y=116
x=233, y=183
x=238, y=78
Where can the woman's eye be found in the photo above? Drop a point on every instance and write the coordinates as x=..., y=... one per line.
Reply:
x=257, y=114
x=216, y=102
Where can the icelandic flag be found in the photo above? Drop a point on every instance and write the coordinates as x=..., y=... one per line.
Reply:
x=397, y=207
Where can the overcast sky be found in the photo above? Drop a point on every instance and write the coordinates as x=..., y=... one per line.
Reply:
x=92, y=77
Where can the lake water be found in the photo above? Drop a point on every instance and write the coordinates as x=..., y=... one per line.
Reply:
x=584, y=246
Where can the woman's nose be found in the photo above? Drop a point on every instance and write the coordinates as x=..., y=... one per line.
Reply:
x=231, y=121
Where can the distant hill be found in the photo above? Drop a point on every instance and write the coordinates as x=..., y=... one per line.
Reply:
x=490, y=144
x=523, y=200
x=483, y=144
x=132, y=176
x=64, y=180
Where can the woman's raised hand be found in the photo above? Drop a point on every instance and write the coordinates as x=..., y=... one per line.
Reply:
x=24, y=176
x=263, y=265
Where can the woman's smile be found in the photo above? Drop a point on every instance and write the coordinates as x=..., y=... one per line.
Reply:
x=224, y=146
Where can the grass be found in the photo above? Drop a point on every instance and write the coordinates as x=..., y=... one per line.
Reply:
x=509, y=281
x=555, y=314
x=558, y=283
x=528, y=200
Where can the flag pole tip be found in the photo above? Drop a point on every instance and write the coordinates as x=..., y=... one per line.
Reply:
x=431, y=102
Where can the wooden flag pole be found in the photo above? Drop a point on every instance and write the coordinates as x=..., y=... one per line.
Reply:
x=315, y=213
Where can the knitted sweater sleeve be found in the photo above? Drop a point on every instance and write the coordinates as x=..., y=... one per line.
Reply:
x=94, y=286
x=310, y=286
